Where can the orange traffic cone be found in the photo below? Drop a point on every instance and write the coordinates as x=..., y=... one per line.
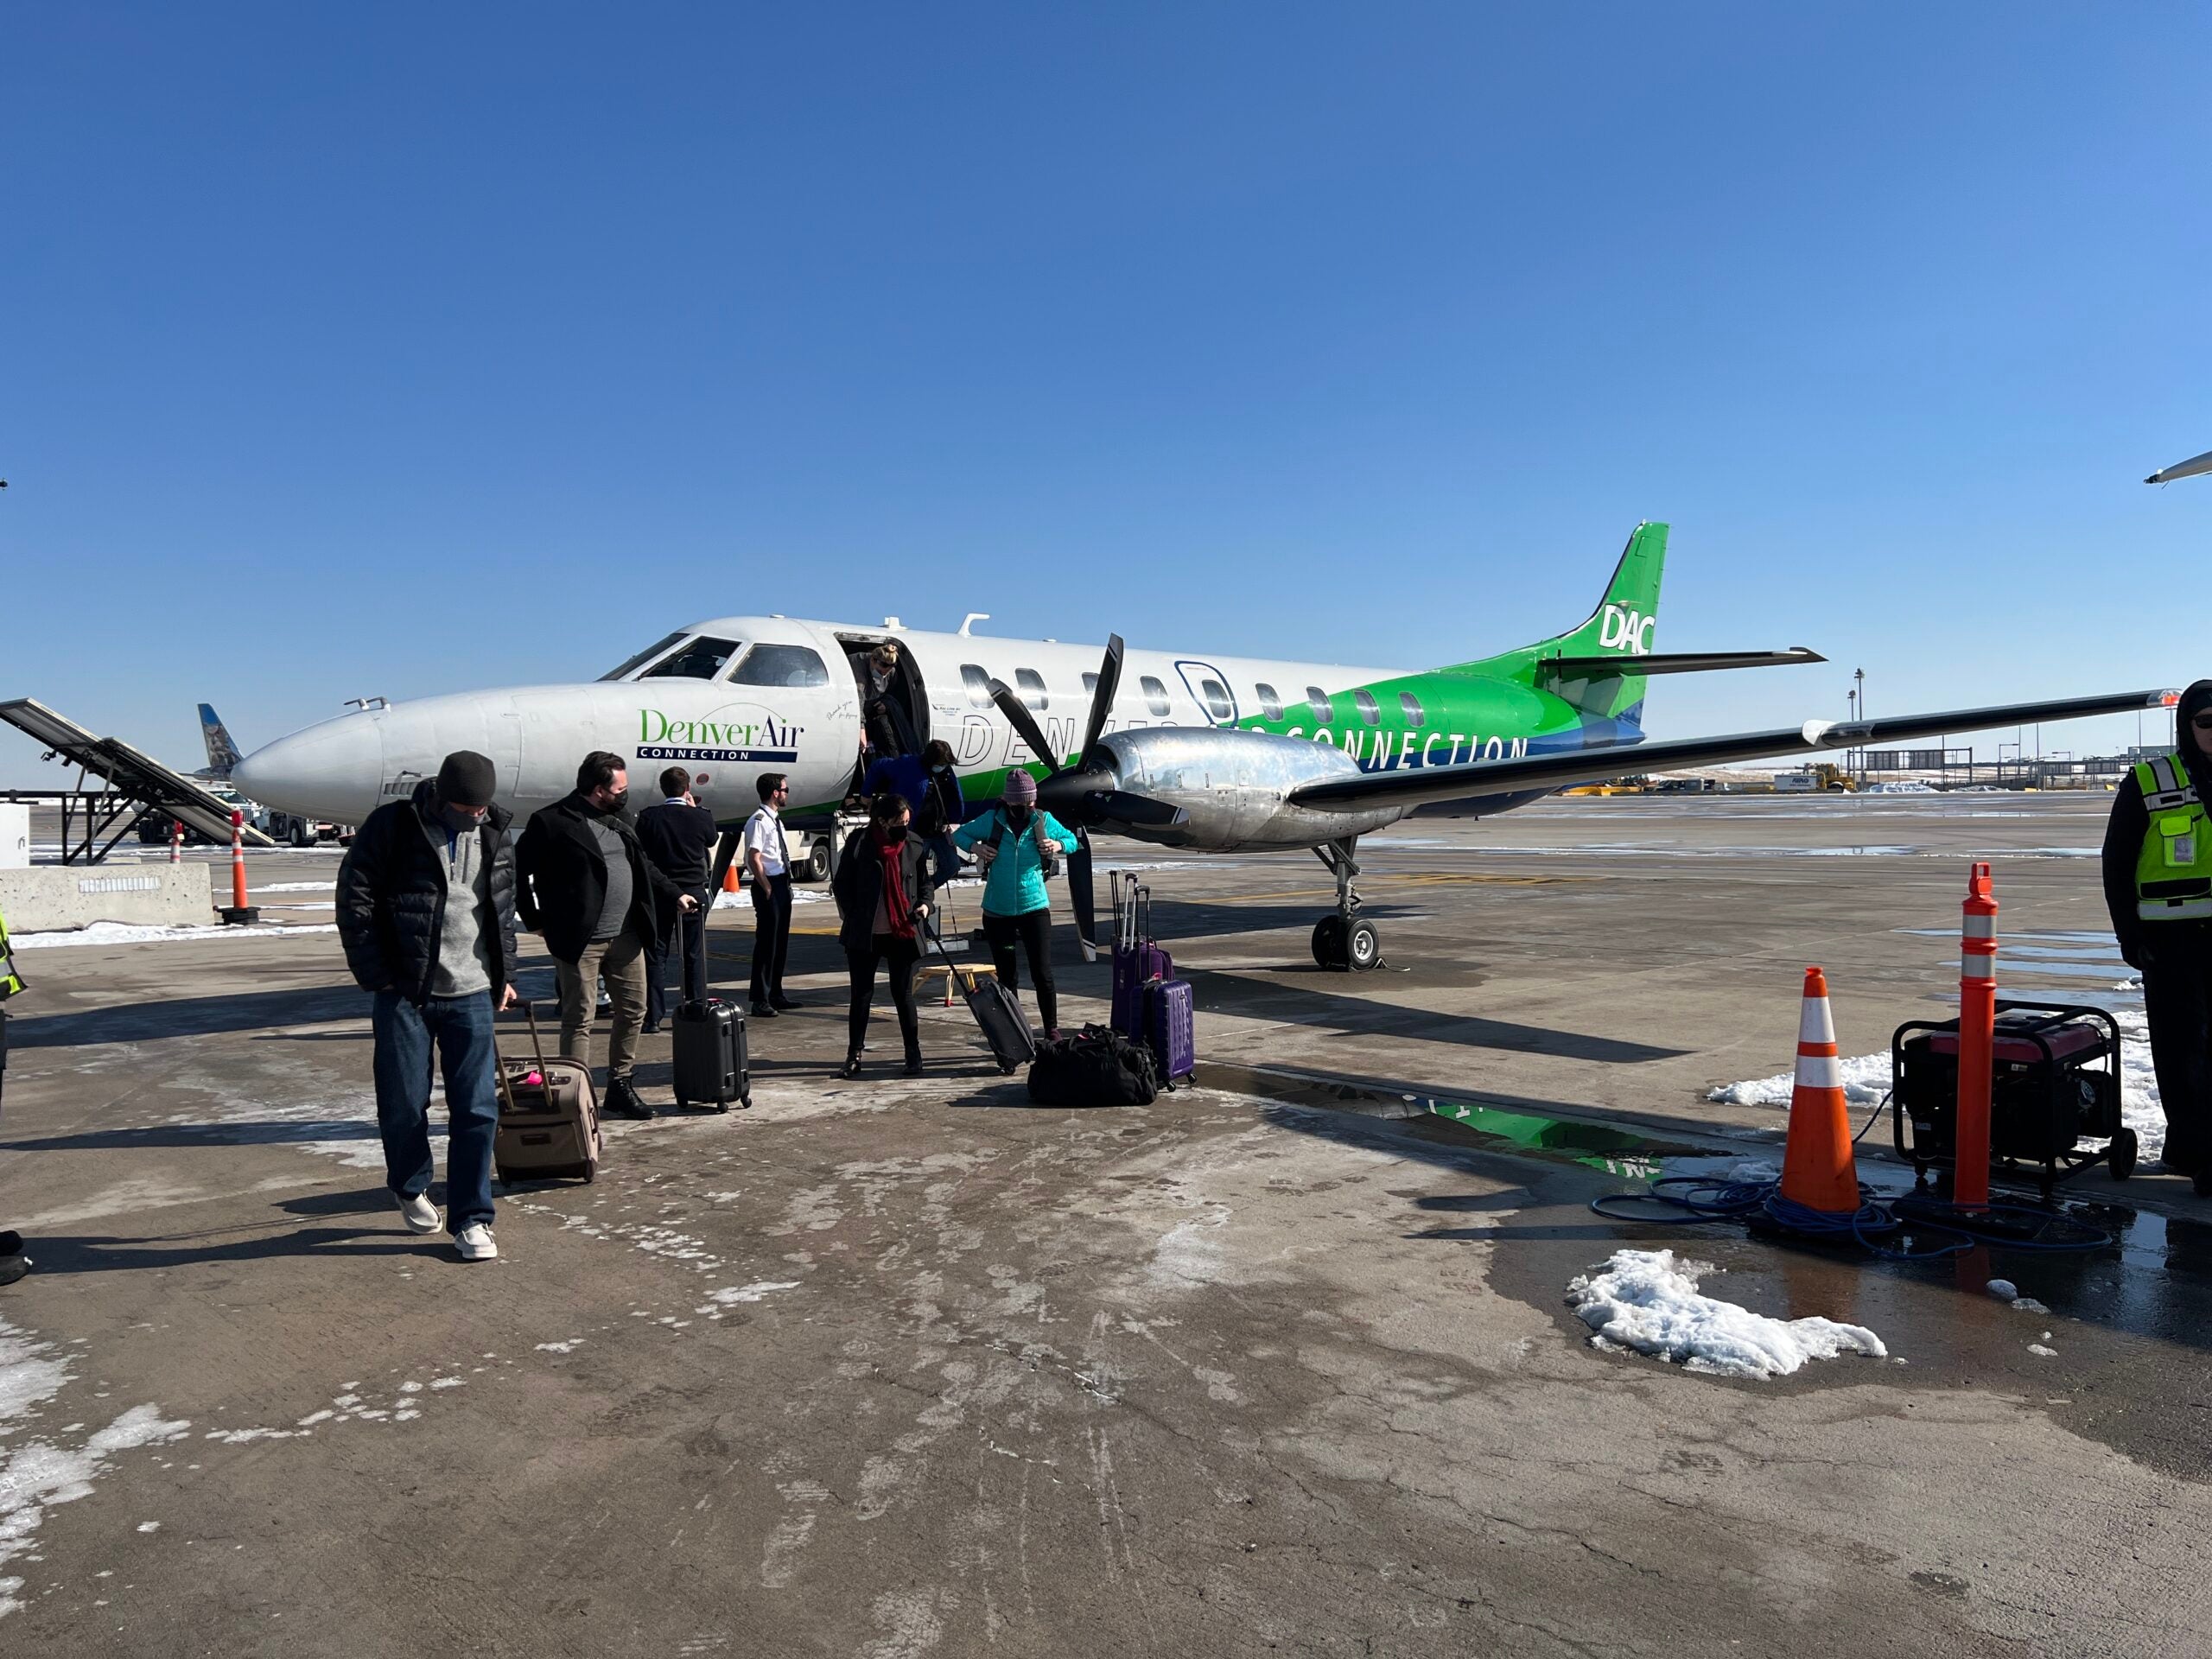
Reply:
x=729, y=878
x=1817, y=1168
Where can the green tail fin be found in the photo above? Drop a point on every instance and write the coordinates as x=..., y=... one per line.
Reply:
x=1624, y=625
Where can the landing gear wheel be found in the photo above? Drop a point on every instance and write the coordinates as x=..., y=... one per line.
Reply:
x=816, y=867
x=2122, y=1154
x=1329, y=945
x=1363, y=947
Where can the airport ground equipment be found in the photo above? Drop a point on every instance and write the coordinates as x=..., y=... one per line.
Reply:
x=548, y=1116
x=1819, y=1199
x=134, y=784
x=2055, y=1086
x=708, y=1049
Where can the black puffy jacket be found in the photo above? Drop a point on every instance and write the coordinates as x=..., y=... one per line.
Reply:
x=564, y=878
x=392, y=894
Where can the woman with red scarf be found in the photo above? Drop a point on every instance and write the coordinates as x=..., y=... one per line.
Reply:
x=883, y=894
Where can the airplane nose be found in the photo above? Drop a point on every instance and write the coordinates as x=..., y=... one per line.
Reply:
x=330, y=771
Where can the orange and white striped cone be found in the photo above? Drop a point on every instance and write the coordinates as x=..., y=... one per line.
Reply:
x=1818, y=1170
x=730, y=880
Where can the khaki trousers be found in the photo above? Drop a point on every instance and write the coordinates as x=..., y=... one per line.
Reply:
x=621, y=962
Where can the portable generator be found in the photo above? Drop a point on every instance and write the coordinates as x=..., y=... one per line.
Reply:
x=2054, y=1084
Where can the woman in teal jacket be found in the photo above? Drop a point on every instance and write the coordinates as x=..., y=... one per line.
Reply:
x=1013, y=839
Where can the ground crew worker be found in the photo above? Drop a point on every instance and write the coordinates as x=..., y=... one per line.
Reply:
x=14, y=1264
x=2157, y=873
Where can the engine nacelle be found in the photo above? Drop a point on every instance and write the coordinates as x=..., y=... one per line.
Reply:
x=1236, y=787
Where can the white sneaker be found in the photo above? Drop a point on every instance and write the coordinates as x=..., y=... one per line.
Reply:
x=419, y=1213
x=476, y=1244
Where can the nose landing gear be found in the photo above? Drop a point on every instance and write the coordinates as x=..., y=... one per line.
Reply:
x=1345, y=940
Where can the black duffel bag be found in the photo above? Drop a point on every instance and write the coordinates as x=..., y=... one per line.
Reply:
x=1098, y=1066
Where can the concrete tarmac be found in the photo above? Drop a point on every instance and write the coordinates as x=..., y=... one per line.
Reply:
x=1277, y=1364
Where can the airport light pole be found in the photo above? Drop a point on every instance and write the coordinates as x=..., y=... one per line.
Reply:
x=1860, y=675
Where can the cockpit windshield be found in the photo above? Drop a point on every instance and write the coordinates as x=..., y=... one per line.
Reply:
x=629, y=664
x=701, y=660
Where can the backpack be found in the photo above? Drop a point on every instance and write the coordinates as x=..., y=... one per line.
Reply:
x=1047, y=866
x=1098, y=1066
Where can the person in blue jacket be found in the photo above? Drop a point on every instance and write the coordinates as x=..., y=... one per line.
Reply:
x=1016, y=842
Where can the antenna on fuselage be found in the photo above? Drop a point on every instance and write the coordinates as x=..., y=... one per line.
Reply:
x=971, y=619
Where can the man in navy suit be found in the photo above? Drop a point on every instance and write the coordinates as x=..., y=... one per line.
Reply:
x=678, y=840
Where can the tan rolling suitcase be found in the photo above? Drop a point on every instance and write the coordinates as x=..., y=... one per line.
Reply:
x=549, y=1117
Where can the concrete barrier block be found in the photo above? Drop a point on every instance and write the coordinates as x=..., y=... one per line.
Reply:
x=49, y=897
x=14, y=835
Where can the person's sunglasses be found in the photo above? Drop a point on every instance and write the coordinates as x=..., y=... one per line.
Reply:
x=2204, y=721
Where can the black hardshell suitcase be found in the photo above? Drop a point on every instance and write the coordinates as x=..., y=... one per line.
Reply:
x=709, y=1050
x=1005, y=1027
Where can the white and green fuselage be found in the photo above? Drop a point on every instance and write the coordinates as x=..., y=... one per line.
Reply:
x=730, y=698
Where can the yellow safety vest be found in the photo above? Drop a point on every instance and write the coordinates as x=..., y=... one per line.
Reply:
x=10, y=981
x=2173, y=872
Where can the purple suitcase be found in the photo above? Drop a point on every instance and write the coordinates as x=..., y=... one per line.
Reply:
x=1171, y=1028
x=1137, y=960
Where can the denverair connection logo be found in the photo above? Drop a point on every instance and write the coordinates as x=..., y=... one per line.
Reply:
x=661, y=738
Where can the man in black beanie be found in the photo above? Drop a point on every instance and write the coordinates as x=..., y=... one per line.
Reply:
x=426, y=911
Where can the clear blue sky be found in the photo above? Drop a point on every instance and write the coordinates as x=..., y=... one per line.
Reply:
x=399, y=350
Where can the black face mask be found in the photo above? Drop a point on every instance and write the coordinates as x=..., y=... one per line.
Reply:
x=1017, y=816
x=893, y=834
x=459, y=822
x=617, y=804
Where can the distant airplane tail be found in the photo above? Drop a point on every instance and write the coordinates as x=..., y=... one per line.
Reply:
x=1594, y=666
x=222, y=753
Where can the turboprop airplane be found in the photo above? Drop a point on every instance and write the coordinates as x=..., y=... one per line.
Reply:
x=1202, y=752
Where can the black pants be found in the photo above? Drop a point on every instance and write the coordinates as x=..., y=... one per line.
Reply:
x=1034, y=929
x=685, y=942
x=2177, y=1003
x=772, y=937
x=901, y=954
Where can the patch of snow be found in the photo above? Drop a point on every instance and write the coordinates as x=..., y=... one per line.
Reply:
x=123, y=933
x=2037, y=1348
x=2029, y=1305
x=38, y=1476
x=296, y=887
x=1865, y=1080
x=757, y=1291
x=568, y=1347
x=1646, y=1301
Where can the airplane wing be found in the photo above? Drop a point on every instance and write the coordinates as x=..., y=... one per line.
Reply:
x=1418, y=785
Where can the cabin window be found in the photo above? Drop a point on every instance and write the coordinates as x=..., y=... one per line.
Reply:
x=1270, y=704
x=1218, y=703
x=1155, y=694
x=1415, y=714
x=1030, y=684
x=978, y=684
x=797, y=666
x=1369, y=710
x=629, y=664
x=1318, y=701
x=701, y=659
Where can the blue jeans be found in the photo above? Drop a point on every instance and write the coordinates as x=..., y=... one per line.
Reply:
x=462, y=1028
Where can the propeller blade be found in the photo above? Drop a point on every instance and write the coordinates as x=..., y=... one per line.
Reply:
x=1083, y=895
x=1024, y=725
x=1101, y=700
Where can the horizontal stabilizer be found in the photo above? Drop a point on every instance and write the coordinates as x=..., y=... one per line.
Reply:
x=1414, y=787
x=1679, y=661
